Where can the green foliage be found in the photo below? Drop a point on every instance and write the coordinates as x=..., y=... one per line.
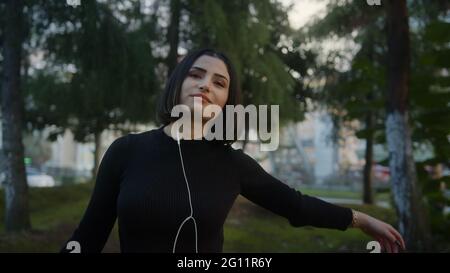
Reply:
x=102, y=65
x=430, y=97
x=436, y=201
x=359, y=90
x=251, y=32
x=100, y=71
x=430, y=88
x=344, y=17
x=352, y=94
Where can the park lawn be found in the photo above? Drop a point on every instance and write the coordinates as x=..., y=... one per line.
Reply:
x=55, y=213
x=257, y=230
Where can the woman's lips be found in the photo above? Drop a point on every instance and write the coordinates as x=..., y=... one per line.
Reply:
x=203, y=97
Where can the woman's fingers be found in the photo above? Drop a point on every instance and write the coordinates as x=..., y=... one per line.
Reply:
x=389, y=238
x=387, y=245
x=399, y=238
x=394, y=247
x=394, y=239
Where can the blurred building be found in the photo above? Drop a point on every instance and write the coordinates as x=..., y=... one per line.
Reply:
x=307, y=154
x=72, y=160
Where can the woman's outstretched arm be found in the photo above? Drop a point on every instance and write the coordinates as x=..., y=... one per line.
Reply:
x=302, y=210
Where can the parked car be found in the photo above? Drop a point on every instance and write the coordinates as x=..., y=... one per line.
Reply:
x=37, y=178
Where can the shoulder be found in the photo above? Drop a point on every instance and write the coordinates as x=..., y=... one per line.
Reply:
x=125, y=143
x=123, y=148
x=238, y=156
x=134, y=139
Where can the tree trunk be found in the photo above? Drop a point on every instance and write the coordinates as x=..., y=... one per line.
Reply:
x=412, y=219
x=98, y=145
x=16, y=188
x=367, y=175
x=367, y=189
x=173, y=35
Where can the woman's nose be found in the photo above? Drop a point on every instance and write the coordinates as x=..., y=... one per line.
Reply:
x=205, y=85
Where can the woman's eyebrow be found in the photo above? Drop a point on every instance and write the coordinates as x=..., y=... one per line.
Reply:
x=204, y=70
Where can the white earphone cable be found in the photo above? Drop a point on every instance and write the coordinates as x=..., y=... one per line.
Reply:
x=191, y=216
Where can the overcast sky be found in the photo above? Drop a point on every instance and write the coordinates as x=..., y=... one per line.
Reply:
x=304, y=10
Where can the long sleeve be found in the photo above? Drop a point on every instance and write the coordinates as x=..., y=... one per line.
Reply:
x=301, y=210
x=100, y=215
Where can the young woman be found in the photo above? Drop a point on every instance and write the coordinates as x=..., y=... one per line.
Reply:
x=171, y=194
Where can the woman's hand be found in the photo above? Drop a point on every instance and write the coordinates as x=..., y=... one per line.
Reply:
x=389, y=238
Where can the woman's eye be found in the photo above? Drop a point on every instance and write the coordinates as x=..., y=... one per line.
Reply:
x=220, y=84
x=194, y=75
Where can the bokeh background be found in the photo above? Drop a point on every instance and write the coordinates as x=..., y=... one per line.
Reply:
x=363, y=89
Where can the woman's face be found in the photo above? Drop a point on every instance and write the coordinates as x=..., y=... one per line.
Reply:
x=207, y=83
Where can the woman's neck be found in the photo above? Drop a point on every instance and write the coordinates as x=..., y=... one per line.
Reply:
x=196, y=131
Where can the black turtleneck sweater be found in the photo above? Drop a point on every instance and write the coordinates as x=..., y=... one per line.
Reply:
x=140, y=182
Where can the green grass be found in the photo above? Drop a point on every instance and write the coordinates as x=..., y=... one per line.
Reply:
x=55, y=213
x=50, y=206
x=257, y=230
